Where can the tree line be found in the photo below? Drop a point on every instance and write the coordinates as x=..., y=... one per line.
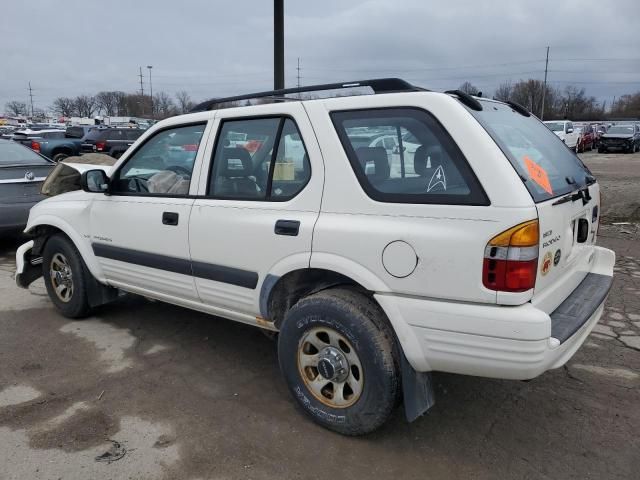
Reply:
x=112, y=104
x=572, y=102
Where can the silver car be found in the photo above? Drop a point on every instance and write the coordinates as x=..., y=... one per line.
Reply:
x=22, y=172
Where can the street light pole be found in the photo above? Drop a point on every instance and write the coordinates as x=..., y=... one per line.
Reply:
x=151, y=89
x=278, y=44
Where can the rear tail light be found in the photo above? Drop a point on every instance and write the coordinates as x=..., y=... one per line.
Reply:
x=511, y=259
x=101, y=146
x=35, y=146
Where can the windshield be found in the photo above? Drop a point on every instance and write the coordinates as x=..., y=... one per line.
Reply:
x=625, y=130
x=545, y=164
x=555, y=127
x=12, y=153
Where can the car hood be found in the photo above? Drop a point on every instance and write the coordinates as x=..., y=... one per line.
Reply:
x=617, y=135
x=65, y=177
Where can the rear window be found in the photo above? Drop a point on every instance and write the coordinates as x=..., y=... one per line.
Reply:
x=133, y=134
x=403, y=155
x=98, y=134
x=547, y=167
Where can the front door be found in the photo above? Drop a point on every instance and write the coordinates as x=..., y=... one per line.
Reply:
x=140, y=232
x=257, y=207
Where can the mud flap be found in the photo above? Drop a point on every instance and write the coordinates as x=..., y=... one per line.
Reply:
x=417, y=390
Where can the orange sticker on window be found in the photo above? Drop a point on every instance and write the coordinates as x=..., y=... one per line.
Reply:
x=538, y=175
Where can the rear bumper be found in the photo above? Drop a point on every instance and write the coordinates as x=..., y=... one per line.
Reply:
x=499, y=341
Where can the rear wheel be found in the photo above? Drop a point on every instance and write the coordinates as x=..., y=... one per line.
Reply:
x=58, y=157
x=340, y=361
x=65, y=276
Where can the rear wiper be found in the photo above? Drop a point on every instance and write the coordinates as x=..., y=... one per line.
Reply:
x=580, y=194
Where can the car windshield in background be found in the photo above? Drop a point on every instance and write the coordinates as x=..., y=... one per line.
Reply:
x=547, y=167
x=621, y=130
x=555, y=127
x=12, y=153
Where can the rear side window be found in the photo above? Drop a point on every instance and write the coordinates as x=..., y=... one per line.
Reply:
x=134, y=134
x=74, y=132
x=404, y=155
x=547, y=167
x=259, y=159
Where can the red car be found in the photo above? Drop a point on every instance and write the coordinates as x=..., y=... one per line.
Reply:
x=586, y=138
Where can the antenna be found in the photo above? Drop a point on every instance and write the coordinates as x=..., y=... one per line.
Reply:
x=31, y=96
x=298, y=69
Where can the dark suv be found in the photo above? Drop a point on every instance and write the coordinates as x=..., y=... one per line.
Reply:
x=110, y=141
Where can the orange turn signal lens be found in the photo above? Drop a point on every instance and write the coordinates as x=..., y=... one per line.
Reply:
x=526, y=234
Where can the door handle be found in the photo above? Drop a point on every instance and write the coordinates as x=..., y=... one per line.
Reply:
x=170, y=218
x=287, y=227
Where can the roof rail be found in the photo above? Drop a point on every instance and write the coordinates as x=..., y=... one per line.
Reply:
x=467, y=99
x=378, y=85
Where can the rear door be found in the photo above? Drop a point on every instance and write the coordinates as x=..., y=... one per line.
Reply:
x=256, y=208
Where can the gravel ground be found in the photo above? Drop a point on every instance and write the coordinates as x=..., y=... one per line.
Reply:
x=160, y=392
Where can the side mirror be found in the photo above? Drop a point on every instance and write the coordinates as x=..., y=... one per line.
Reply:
x=569, y=130
x=94, y=181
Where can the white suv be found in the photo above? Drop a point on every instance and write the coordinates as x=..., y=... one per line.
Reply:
x=473, y=254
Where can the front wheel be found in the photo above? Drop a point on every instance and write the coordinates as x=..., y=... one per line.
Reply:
x=340, y=361
x=65, y=276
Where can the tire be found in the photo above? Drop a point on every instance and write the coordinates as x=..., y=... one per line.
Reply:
x=61, y=264
x=602, y=150
x=345, y=323
x=58, y=157
x=117, y=155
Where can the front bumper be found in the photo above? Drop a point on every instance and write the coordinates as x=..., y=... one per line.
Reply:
x=510, y=342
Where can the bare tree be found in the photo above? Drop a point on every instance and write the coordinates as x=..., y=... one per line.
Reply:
x=15, y=108
x=468, y=87
x=184, y=101
x=503, y=92
x=64, y=106
x=163, y=105
x=107, y=102
x=85, y=105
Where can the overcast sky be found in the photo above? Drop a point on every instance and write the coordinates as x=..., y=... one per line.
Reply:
x=217, y=48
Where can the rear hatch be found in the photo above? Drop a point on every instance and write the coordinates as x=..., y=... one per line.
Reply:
x=565, y=193
x=21, y=183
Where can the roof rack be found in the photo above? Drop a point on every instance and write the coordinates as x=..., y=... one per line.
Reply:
x=467, y=99
x=378, y=85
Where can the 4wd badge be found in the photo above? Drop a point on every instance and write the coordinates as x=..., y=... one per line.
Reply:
x=546, y=263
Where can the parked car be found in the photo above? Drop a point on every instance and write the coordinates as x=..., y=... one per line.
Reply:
x=63, y=146
x=22, y=172
x=111, y=141
x=586, y=137
x=477, y=257
x=599, y=129
x=565, y=132
x=25, y=137
x=625, y=138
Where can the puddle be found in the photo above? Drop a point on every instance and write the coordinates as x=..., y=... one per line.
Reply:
x=17, y=394
x=111, y=342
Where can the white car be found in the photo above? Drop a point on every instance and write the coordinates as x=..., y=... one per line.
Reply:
x=566, y=132
x=477, y=256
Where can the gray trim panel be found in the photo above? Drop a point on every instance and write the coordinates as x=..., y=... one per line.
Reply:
x=207, y=271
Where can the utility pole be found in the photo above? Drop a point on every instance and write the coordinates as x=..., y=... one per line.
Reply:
x=278, y=44
x=141, y=93
x=151, y=88
x=544, y=88
x=31, y=96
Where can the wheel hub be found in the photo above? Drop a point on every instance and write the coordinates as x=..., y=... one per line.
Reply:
x=333, y=365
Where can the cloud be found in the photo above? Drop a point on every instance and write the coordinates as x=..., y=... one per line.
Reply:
x=223, y=48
